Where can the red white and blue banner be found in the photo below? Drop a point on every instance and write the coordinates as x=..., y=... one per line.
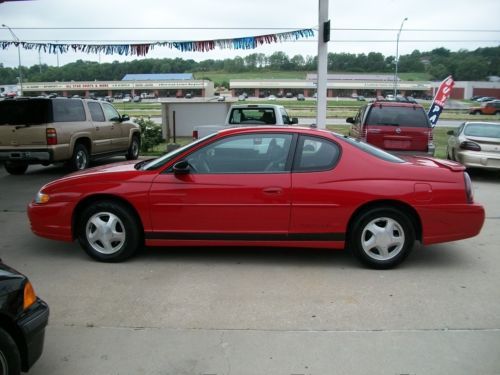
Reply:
x=442, y=95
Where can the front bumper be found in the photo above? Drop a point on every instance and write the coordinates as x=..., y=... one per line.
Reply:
x=32, y=324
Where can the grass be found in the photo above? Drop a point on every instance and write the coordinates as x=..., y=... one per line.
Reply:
x=220, y=76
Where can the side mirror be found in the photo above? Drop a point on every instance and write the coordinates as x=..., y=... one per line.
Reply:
x=350, y=120
x=450, y=132
x=125, y=118
x=295, y=120
x=181, y=167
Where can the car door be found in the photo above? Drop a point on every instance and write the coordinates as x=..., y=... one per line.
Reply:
x=238, y=187
x=118, y=141
x=314, y=200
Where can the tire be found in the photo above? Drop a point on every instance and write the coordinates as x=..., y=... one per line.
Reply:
x=109, y=231
x=10, y=359
x=133, y=150
x=80, y=159
x=15, y=168
x=374, y=245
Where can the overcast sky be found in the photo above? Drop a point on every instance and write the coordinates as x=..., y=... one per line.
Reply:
x=293, y=14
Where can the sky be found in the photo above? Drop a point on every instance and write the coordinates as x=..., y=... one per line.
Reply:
x=251, y=17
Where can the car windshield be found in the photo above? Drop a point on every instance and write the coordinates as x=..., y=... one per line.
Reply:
x=372, y=150
x=398, y=116
x=482, y=130
x=161, y=161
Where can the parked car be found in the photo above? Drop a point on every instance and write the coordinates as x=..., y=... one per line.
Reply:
x=360, y=98
x=475, y=145
x=486, y=108
x=137, y=99
x=188, y=96
x=221, y=98
x=74, y=131
x=241, y=98
x=271, y=97
x=289, y=95
x=301, y=97
x=127, y=99
x=394, y=126
x=486, y=99
x=23, y=318
x=269, y=186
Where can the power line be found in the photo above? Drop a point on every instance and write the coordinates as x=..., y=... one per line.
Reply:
x=126, y=41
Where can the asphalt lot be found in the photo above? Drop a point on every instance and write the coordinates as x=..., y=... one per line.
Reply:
x=260, y=311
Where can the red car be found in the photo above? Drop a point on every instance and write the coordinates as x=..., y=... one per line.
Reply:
x=266, y=186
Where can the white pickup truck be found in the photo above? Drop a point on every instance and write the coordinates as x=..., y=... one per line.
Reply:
x=248, y=115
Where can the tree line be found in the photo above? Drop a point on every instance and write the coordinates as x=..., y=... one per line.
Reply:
x=464, y=65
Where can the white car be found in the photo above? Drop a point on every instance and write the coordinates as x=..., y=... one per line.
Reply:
x=271, y=97
x=127, y=99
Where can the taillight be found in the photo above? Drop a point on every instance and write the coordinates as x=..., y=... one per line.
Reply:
x=468, y=188
x=468, y=145
x=51, y=135
x=195, y=134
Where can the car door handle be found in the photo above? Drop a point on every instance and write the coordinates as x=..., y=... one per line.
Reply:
x=96, y=128
x=273, y=191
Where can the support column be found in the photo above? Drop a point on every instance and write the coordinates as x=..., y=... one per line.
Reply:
x=257, y=93
x=323, y=39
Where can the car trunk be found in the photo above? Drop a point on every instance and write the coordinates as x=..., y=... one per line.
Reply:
x=23, y=123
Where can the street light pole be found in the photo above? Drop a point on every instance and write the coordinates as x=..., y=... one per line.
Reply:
x=19, y=56
x=397, y=59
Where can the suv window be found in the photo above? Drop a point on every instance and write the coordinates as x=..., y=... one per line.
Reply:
x=397, y=116
x=315, y=154
x=24, y=112
x=68, y=110
x=96, y=112
x=110, y=112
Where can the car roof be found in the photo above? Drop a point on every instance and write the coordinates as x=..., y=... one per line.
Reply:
x=393, y=103
x=275, y=129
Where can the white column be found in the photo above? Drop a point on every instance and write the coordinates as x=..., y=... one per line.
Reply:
x=322, y=66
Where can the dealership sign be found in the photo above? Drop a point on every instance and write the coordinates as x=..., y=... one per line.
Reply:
x=443, y=93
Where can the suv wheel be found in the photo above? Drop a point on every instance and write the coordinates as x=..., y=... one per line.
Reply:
x=15, y=167
x=10, y=360
x=80, y=159
x=133, y=150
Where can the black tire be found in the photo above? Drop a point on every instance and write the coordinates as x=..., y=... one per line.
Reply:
x=15, y=167
x=80, y=159
x=133, y=150
x=10, y=359
x=115, y=230
x=388, y=250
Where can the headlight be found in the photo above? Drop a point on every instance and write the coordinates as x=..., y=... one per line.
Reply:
x=41, y=198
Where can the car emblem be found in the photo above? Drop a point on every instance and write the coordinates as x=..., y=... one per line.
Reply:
x=398, y=130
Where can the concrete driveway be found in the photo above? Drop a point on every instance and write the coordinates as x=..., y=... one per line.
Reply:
x=260, y=311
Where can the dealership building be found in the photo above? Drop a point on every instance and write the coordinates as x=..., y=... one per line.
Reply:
x=338, y=85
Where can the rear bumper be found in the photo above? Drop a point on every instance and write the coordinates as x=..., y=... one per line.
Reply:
x=478, y=159
x=32, y=325
x=28, y=156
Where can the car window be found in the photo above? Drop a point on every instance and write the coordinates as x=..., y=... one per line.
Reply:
x=253, y=153
x=68, y=110
x=482, y=130
x=284, y=115
x=110, y=112
x=397, y=116
x=315, y=154
x=252, y=116
x=96, y=112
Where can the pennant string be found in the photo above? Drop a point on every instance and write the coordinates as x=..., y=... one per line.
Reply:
x=143, y=49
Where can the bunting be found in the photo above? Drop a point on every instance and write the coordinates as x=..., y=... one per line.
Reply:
x=245, y=43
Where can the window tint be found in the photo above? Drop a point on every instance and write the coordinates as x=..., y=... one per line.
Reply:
x=255, y=153
x=96, y=112
x=252, y=116
x=482, y=130
x=24, y=112
x=110, y=112
x=315, y=154
x=397, y=116
x=68, y=110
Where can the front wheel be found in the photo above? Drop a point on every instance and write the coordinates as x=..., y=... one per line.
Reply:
x=15, y=167
x=133, y=150
x=10, y=360
x=109, y=231
x=382, y=238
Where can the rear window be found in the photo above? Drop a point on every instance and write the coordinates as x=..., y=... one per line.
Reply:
x=482, y=130
x=25, y=112
x=398, y=116
x=252, y=116
x=68, y=110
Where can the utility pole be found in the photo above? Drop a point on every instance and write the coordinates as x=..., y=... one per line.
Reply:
x=323, y=38
x=397, y=59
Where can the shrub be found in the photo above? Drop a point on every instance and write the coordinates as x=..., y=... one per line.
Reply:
x=150, y=134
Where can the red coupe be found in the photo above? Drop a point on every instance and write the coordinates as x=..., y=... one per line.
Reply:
x=286, y=187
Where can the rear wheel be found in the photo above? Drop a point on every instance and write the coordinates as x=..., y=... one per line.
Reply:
x=133, y=150
x=80, y=159
x=109, y=231
x=382, y=238
x=16, y=167
x=10, y=360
